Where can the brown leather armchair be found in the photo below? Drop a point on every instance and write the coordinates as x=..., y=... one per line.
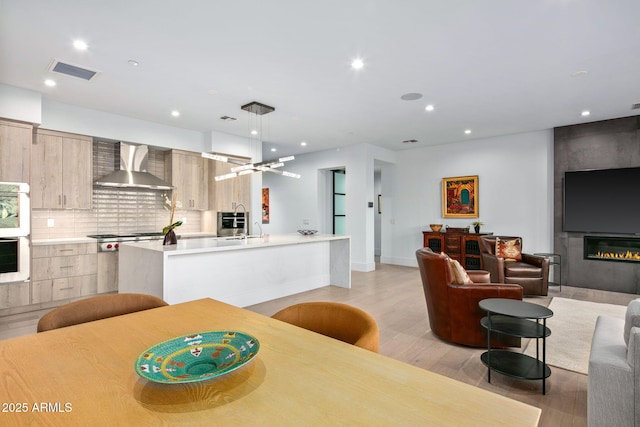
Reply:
x=454, y=314
x=532, y=272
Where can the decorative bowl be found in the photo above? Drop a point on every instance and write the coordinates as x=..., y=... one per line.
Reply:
x=307, y=232
x=196, y=357
x=435, y=227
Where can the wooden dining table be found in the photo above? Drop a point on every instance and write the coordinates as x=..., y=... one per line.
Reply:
x=84, y=375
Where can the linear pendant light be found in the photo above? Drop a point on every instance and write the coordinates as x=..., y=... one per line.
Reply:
x=248, y=168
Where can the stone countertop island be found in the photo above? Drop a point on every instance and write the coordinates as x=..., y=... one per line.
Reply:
x=236, y=271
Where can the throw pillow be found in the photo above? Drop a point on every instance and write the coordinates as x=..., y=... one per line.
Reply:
x=631, y=318
x=459, y=273
x=509, y=249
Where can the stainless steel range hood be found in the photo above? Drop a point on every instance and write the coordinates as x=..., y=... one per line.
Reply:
x=133, y=170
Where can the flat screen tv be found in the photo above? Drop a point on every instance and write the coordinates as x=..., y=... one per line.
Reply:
x=602, y=201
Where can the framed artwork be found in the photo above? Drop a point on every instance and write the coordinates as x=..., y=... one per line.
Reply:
x=265, y=206
x=460, y=197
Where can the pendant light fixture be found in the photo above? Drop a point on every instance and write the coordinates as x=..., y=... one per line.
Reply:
x=244, y=168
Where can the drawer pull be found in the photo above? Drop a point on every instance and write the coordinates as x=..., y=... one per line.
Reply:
x=66, y=289
x=66, y=266
x=65, y=250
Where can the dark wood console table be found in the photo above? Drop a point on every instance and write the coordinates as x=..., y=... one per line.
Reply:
x=463, y=247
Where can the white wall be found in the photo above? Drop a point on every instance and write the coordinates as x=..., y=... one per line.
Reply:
x=84, y=121
x=297, y=204
x=20, y=104
x=515, y=191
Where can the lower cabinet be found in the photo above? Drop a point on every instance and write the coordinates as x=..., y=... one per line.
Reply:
x=107, y=272
x=14, y=294
x=63, y=271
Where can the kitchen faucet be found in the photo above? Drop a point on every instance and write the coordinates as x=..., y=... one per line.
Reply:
x=260, y=227
x=235, y=221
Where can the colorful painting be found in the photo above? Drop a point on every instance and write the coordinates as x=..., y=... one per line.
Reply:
x=460, y=197
x=265, y=206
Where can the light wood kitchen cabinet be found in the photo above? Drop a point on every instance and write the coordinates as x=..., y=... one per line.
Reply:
x=14, y=294
x=63, y=271
x=61, y=171
x=15, y=151
x=107, y=272
x=187, y=171
x=223, y=194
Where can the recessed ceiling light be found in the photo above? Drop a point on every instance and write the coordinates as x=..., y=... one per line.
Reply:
x=50, y=83
x=467, y=131
x=273, y=150
x=175, y=113
x=585, y=113
x=429, y=108
x=254, y=132
x=580, y=73
x=357, y=64
x=133, y=62
x=304, y=144
x=80, y=45
x=411, y=96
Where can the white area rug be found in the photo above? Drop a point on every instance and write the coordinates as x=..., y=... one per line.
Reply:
x=572, y=326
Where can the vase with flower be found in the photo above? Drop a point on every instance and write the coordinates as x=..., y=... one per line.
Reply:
x=170, y=237
x=476, y=226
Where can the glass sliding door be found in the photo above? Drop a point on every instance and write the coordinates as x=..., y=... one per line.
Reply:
x=339, y=202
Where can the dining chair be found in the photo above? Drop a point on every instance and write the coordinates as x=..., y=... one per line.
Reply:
x=96, y=308
x=336, y=320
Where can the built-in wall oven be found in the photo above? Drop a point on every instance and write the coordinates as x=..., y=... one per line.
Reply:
x=232, y=223
x=15, y=229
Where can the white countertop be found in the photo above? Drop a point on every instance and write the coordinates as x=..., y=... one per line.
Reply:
x=192, y=245
x=65, y=240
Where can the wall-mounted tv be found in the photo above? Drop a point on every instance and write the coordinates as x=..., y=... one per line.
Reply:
x=602, y=201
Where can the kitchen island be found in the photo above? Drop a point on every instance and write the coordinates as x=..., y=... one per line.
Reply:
x=240, y=272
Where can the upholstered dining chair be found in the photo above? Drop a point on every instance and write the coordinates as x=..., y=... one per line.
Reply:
x=96, y=308
x=452, y=305
x=336, y=320
x=502, y=256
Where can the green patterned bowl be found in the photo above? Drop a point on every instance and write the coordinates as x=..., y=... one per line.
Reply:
x=196, y=357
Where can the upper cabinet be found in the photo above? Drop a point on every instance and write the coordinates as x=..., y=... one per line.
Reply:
x=188, y=172
x=15, y=149
x=225, y=193
x=61, y=175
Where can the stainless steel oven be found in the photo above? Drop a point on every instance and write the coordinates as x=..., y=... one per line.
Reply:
x=232, y=223
x=15, y=228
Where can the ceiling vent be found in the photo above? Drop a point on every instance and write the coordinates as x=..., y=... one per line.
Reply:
x=72, y=70
x=227, y=118
x=636, y=106
x=410, y=141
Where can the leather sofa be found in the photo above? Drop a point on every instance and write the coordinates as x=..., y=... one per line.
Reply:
x=454, y=315
x=532, y=272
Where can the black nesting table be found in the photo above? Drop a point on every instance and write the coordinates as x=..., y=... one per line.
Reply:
x=519, y=319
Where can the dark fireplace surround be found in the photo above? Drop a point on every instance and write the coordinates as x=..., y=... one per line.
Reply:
x=616, y=249
x=598, y=145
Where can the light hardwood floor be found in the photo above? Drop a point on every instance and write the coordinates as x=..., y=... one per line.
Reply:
x=393, y=295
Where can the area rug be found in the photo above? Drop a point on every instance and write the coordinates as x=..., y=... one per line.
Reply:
x=572, y=326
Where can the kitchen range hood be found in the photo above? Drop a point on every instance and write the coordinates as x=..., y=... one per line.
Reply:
x=133, y=170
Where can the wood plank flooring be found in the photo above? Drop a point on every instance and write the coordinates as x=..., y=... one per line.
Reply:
x=393, y=295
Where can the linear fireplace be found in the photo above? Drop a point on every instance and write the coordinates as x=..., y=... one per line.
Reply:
x=619, y=249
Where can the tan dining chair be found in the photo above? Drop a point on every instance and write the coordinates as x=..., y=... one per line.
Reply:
x=336, y=320
x=96, y=308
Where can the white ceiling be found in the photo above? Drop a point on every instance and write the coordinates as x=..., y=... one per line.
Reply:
x=495, y=66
